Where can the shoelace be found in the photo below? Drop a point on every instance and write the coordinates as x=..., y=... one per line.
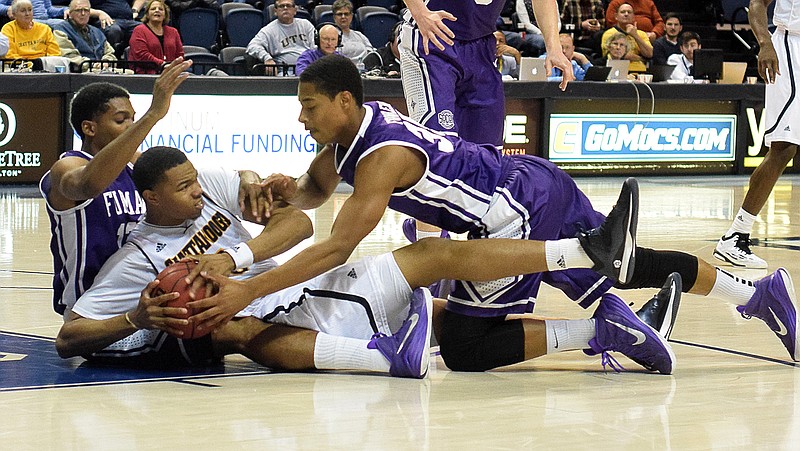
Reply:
x=607, y=360
x=743, y=243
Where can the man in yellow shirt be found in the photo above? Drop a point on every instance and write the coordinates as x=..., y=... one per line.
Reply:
x=639, y=48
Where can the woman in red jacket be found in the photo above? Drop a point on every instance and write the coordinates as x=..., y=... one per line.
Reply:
x=154, y=42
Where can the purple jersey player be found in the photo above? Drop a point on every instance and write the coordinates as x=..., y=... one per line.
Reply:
x=392, y=161
x=91, y=200
x=457, y=88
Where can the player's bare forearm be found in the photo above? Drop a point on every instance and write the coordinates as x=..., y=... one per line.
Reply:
x=82, y=336
x=287, y=227
x=546, y=12
x=757, y=16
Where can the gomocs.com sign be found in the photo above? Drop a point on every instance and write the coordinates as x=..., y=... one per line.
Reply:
x=592, y=137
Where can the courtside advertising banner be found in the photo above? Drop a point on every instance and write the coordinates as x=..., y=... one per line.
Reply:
x=260, y=133
x=583, y=138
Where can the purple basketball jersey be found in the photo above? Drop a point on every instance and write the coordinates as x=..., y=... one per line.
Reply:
x=474, y=189
x=85, y=236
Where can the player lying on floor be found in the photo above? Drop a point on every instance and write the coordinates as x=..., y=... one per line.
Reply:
x=343, y=319
x=445, y=181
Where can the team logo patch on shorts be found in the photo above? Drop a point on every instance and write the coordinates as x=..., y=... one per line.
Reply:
x=446, y=119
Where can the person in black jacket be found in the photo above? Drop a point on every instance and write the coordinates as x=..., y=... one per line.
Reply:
x=386, y=59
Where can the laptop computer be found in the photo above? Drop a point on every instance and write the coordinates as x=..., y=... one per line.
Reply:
x=532, y=69
x=732, y=73
x=597, y=73
x=661, y=72
x=619, y=70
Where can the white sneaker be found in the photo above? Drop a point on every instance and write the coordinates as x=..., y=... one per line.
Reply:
x=735, y=249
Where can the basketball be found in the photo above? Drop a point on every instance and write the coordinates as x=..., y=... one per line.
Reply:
x=172, y=279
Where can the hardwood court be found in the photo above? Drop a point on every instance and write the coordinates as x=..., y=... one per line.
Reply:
x=734, y=385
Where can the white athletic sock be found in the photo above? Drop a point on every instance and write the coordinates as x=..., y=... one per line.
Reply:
x=568, y=335
x=742, y=223
x=566, y=253
x=732, y=288
x=423, y=234
x=342, y=353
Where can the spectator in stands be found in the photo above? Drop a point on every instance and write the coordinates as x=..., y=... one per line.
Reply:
x=3, y=45
x=154, y=42
x=386, y=59
x=532, y=42
x=684, y=61
x=43, y=11
x=327, y=39
x=617, y=45
x=668, y=45
x=282, y=41
x=580, y=62
x=80, y=41
x=647, y=17
x=117, y=19
x=31, y=40
x=639, y=47
x=587, y=18
x=507, y=58
x=354, y=44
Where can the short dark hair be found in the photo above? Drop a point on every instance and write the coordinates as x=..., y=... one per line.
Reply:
x=673, y=16
x=333, y=74
x=687, y=36
x=151, y=166
x=92, y=101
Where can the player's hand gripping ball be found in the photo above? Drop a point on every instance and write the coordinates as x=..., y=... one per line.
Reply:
x=172, y=279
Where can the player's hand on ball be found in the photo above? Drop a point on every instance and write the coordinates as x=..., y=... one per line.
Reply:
x=221, y=263
x=231, y=297
x=152, y=312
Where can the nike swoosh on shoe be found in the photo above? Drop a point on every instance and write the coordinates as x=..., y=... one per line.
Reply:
x=781, y=327
x=414, y=320
x=640, y=336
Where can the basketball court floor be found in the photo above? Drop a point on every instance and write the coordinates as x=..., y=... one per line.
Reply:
x=734, y=385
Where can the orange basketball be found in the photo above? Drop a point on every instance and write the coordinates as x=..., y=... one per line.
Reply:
x=172, y=279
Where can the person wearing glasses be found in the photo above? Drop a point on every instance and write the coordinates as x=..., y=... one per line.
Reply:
x=282, y=41
x=43, y=11
x=80, y=41
x=354, y=44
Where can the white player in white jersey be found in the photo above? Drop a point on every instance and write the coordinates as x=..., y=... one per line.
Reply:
x=333, y=316
x=778, y=65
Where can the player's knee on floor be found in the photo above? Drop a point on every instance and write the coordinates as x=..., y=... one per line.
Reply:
x=480, y=344
x=653, y=267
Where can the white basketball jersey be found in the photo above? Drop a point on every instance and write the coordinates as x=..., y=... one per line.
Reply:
x=787, y=15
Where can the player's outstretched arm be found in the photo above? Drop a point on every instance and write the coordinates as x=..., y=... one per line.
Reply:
x=83, y=336
x=252, y=201
x=76, y=179
x=431, y=24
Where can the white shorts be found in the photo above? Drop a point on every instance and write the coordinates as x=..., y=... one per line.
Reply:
x=781, y=108
x=354, y=300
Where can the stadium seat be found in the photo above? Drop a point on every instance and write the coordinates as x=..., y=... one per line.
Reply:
x=229, y=54
x=199, y=26
x=201, y=62
x=390, y=5
x=377, y=26
x=194, y=49
x=228, y=7
x=242, y=25
x=319, y=10
x=364, y=10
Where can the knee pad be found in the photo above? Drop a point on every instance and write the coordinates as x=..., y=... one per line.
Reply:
x=652, y=268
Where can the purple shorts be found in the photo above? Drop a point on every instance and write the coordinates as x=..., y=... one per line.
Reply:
x=457, y=90
x=553, y=208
